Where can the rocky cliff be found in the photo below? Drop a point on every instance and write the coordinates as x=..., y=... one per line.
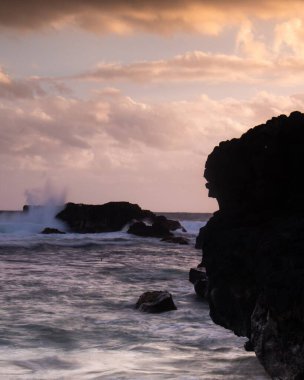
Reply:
x=253, y=247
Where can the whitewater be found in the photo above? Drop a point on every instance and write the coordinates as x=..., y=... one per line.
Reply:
x=68, y=308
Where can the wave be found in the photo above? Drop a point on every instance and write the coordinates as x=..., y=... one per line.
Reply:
x=34, y=220
x=192, y=227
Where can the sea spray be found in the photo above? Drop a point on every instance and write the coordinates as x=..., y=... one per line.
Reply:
x=43, y=204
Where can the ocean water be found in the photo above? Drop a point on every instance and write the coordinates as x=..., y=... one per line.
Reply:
x=67, y=309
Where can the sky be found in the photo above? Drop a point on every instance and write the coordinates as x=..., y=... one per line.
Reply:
x=124, y=100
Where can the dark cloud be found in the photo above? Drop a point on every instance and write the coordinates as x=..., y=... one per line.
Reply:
x=155, y=16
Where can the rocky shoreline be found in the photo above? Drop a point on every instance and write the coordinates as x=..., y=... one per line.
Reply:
x=253, y=247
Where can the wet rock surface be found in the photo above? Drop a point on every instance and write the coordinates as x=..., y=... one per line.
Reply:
x=155, y=302
x=198, y=277
x=253, y=247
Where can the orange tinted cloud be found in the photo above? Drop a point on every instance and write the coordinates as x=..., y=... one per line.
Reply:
x=198, y=66
x=192, y=66
x=157, y=16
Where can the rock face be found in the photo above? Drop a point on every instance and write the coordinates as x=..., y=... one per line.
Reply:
x=253, y=247
x=155, y=302
x=109, y=217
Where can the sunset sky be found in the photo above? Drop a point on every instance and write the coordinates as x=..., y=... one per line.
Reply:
x=124, y=100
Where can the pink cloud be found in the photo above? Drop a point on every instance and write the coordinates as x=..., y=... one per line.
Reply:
x=114, y=147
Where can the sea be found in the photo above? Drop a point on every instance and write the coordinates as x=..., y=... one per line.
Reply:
x=68, y=307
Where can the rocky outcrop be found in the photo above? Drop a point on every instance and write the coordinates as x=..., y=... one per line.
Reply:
x=109, y=217
x=155, y=302
x=144, y=230
x=160, y=228
x=253, y=247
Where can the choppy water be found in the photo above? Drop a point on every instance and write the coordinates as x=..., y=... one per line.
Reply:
x=67, y=311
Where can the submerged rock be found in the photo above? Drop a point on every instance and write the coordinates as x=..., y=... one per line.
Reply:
x=176, y=240
x=253, y=246
x=155, y=302
x=49, y=230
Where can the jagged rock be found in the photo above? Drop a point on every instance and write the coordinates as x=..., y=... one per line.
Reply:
x=155, y=302
x=109, y=217
x=176, y=240
x=198, y=277
x=49, y=230
x=248, y=346
x=160, y=228
x=253, y=246
x=144, y=230
x=169, y=224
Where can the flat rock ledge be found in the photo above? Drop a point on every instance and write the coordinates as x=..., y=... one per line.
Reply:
x=155, y=302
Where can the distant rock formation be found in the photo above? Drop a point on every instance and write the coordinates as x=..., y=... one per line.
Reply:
x=108, y=217
x=253, y=247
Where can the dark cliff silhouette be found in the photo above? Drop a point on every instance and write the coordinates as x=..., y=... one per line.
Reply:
x=253, y=247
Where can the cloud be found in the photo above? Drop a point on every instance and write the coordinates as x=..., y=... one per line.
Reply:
x=267, y=67
x=11, y=88
x=192, y=66
x=113, y=147
x=123, y=17
x=113, y=128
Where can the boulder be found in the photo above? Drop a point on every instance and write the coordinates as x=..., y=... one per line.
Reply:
x=109, y=217
x=155, y=302
x=253, y=246
x=169, y=224
x=176, y=240
x=49, y=230
x=160, y=228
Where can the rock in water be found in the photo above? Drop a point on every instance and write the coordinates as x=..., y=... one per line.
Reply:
x=198, y=277
x=160, y=228
x=176, y=240
x=253, y=247
x=109, y=217
x=155, y=302
x=49, y=230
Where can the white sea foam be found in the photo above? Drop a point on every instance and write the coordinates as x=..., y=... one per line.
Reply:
x=192, y=226
x=68, y=313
